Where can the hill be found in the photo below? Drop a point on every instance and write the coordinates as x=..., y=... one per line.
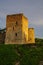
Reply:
x=30, y=54
x=39, y=41
x=21, y=54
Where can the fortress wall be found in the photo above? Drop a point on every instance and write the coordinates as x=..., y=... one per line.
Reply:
x=25, y=28
x=14, y=29
x=17, y=31
x=31, y=35
x=2, y=38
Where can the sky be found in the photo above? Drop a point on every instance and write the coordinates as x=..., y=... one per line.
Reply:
x=32, y=9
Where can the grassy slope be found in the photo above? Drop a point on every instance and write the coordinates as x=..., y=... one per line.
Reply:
x=24, y=54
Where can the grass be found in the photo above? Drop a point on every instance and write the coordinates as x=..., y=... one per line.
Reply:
x=24, y=54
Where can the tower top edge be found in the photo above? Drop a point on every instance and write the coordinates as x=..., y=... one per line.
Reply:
x=18, y=14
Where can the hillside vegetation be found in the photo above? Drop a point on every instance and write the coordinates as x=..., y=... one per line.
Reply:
x=21, y=54
x=39, y=41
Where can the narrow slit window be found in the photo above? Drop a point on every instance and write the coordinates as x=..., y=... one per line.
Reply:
x=16, y=23
x=16, y=34
x=13, y=28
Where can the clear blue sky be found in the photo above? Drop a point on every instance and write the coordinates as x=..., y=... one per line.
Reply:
x=32, y=9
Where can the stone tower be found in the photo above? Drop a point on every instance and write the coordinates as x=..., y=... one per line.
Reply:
x=31, y=35
x=16, y=29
